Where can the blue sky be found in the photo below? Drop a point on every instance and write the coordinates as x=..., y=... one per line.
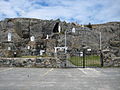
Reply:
x=81, y=11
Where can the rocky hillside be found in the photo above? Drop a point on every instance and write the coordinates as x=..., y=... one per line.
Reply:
x=23, y=28
x=110, y=36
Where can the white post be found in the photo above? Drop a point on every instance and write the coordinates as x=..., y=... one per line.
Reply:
x=100, y=41
x=65, y=41
x=65, y=49
x=55, y=50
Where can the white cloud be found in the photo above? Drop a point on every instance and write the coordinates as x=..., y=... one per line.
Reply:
x=83, y=11
x=5, y=9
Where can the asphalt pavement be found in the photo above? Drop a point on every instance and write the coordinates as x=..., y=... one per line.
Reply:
x=59, y=78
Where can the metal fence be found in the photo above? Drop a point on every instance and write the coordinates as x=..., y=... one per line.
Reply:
x=84, y=59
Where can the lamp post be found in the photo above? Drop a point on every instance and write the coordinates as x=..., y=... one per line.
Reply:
x=100, y=41
x=65, y=42
x=101, y=55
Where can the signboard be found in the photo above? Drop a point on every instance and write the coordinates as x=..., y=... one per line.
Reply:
x=81, y=54
x=88, y=49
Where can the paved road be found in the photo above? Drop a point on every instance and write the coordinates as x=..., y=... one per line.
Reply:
x=59, y=79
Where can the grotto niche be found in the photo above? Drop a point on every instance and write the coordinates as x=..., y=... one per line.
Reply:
x=55, y=29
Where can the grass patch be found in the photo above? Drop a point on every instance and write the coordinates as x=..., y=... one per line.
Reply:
x=92, y=60
x=29, y=56
x=34, y=56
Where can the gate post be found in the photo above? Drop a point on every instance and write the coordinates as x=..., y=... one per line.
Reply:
x=101, y=58
x=83, y=58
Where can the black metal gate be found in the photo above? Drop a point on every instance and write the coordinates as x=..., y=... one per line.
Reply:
x=84, y=58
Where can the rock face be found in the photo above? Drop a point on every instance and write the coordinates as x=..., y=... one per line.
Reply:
x=110, y=59
x=23, y=28
x=47, y=36
x=111, y=36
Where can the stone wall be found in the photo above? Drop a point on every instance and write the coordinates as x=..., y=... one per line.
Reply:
x=27, y=62
x=45, y=62
x=109, y=59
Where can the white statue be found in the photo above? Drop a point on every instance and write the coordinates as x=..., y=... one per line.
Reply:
x=9, y=36
x=59, y=29
x=73, y=30
x=47, y=37
x=28, y=47
x=9, y=48
x=32, y=38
